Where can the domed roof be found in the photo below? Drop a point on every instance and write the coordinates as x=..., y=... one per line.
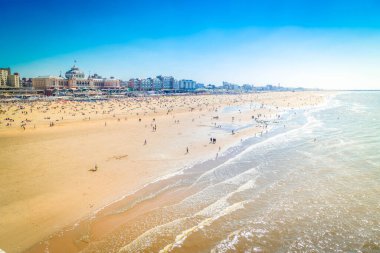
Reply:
x=74, y=72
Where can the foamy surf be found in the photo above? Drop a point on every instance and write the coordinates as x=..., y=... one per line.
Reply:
x=206, y=222
x=221, y=206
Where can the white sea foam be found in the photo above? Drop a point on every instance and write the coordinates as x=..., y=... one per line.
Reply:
x=214, y=211
x=238, y=180
x=221, y=208
x=223, y=202
x=226, y=245
x=231, y=241
x=144, y=240
x=179, y=240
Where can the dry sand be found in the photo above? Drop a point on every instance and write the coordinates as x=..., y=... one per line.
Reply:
x=45, y=180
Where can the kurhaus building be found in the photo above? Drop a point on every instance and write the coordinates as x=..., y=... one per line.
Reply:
x=75, y=79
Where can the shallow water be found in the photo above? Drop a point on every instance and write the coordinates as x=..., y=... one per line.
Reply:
x=312, y=186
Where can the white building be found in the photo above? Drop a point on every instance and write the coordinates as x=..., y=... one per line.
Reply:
x=157, y=84
x=187, y=84
x=167, y=82
x=146, y=84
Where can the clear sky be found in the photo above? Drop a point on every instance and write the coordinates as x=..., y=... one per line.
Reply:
x=325, y=44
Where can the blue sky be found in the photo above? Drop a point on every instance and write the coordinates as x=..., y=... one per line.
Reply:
x=327, y=44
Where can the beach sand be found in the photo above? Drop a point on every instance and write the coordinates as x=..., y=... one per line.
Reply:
x=48, y=149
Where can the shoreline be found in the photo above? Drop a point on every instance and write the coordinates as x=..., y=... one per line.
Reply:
x=168, y=172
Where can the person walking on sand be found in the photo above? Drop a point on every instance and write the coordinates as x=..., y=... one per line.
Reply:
x=145, y=142
x=187, y=150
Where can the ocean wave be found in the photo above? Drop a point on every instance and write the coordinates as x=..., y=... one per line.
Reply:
x=233, y=239
x=221, y=207
x=179, y=240
x=214, y=211
x=145, y=239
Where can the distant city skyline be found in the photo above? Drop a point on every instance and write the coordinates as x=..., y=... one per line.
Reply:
x=326, y=44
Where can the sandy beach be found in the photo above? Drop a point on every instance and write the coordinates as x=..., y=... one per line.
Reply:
x=61, y=161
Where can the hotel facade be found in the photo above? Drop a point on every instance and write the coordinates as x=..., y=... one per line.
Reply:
x=161, y=83
x=74, y=79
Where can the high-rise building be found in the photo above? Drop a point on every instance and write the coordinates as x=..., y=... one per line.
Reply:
x=14, y=80
x=7, y=79
x=187, y=84
x=134, y=84
x=157, y=84
x=4, y=73
x=146, y=84
x=167, y=82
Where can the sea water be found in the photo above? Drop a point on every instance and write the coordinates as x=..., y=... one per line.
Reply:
x=312, y=184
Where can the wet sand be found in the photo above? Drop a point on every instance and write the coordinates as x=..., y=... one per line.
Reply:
x=49, y=148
